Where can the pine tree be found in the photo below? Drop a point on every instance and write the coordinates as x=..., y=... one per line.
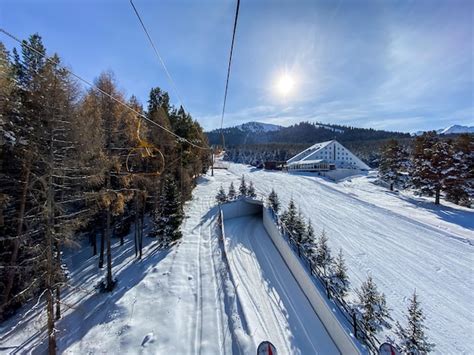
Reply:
x=232, y=193
x=392, y=161
x=412, y=338
x=169, y=215
x=308, y=241
x=289, y=217
x=251, y=191
x=323, y=257
x=273, y=201
x=433, y=165
x=458, y=182
x=372, y=310
x=243, y=187
x=221, y=196
x=339, y=279
x=299, y=228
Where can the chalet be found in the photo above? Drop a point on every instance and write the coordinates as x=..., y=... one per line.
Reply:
x=326, y=157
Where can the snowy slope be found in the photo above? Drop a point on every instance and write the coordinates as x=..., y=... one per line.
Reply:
x=456, y=129
x=170, y=302
x=181, y=301
x=258, y=127
x=432, y=252
x=275, y=307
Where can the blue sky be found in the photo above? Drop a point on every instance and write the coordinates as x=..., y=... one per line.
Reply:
x=396, y=65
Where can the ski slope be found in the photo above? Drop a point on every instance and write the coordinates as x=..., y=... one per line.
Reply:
x=430, y=250
x=275, y=307
x=181, y=301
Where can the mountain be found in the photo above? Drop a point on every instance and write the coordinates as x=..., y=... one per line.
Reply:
x=258, y=127
x=300, y=133
x=453, y=129
x=456, y=129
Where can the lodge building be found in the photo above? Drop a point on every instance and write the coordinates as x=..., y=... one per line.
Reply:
x=324, y=157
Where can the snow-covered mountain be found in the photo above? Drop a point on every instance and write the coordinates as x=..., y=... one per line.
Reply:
x=453, y=129
x=456, y=129
x=259, y=127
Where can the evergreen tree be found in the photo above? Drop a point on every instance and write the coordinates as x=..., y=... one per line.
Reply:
x=339, y=279
x=251, y=191
x=323, y=256
x=372, y=310
x=232, y=193
x=433, y=165
x=289, y=217
x=308, y=241
x=392, y=161
x=299, y=228
x=243, y=187
x=273, y=201
x=412, y=338
x=169, y=215
x=458, y=183
x=221, y=196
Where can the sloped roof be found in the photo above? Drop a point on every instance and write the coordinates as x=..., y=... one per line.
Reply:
x=309, y=161
x=308, y=151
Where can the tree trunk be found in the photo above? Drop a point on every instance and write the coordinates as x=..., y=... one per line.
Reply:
x=136, y=224
x=391, y=186
x=58, y=288
x=51, y=335
x=50, y=270
x=16, y=242
x=94, y=243
x=437, y=196
x=140, y=234
x=109, y=253
x=102, y=247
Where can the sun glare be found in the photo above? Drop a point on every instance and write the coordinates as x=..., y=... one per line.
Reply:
x=285, y=84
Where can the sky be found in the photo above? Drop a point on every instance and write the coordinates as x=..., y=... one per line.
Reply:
x=385, y=64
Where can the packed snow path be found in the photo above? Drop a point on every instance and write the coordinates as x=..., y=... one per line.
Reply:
x=275, y=307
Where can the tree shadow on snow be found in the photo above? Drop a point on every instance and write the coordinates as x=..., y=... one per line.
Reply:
x=94, y=307
x=461, y=217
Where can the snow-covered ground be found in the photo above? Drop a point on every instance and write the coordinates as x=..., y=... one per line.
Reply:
x=181, y=301
x=170, y=302
x=275, y=307
x=403, y=242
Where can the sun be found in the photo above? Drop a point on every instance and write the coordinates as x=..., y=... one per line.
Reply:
x=285, y=84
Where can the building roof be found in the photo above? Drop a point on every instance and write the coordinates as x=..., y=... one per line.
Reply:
x=308, y=151
x=317, y=161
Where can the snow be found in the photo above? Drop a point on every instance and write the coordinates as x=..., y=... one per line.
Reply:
x=403, y=242
x=182, y=300
x=453, y=129
x=276, y=308
x=258, y=127
x=457, y=129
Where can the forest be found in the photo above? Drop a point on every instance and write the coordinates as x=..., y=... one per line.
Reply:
x=80, y=164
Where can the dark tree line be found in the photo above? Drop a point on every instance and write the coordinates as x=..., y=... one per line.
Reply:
x=303, y=132
x=75, y=161
x=434, y=166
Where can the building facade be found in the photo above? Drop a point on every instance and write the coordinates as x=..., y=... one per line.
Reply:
x=326, y=156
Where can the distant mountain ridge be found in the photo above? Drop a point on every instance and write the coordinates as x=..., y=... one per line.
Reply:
x=453, y=129
x=258, y=127
x=300, y=133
